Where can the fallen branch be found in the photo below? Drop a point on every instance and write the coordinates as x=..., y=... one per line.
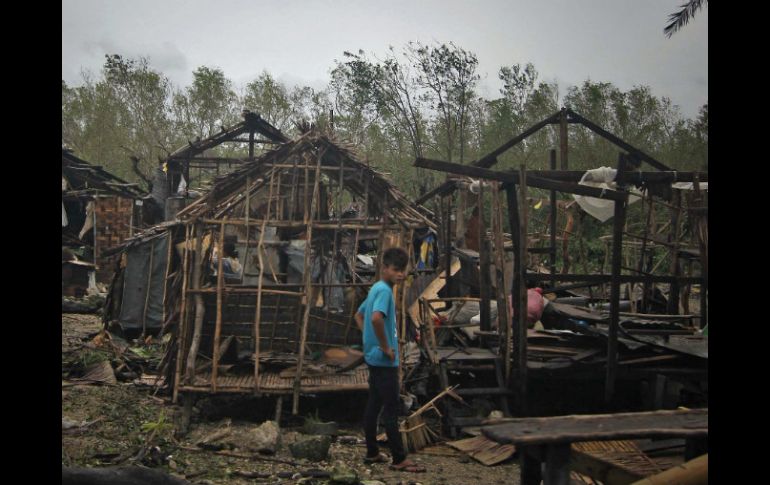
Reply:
x=242, y=455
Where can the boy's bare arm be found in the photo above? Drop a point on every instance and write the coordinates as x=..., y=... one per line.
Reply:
x=359, y=318
x=378, y=324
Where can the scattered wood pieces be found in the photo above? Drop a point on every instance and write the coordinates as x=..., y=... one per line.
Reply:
x=484, y=450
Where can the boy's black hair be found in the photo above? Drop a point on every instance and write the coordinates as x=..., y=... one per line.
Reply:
x=395, y=257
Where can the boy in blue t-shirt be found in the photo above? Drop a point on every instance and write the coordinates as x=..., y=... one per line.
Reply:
x=376, y=317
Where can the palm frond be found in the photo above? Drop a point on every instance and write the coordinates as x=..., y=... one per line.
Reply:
x=679, y=19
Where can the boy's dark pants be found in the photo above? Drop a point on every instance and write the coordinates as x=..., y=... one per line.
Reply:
x=383, y=394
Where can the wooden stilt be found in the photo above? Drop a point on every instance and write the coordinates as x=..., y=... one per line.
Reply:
x=308, y=280
x=199, y=306
x=258, y=310
x=218, y=325
x=182, y=328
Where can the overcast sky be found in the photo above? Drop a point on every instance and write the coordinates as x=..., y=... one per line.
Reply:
x=568, y=41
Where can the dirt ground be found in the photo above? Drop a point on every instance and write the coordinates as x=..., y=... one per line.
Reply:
x=115, y=422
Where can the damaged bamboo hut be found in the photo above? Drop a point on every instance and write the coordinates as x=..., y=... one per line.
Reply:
x=642, y=338
x=99, y=211
x=267, y=269
x=142, y=296
x=196, y=163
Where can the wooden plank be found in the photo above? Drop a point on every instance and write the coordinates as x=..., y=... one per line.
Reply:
x=592, y=427
x=484, y=450
x=430, y=293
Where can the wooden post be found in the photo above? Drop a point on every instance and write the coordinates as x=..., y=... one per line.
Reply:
x=183, y=327
x=308, y=282
x=554, y=213
x=702, y=237
x=557, y=457
x=246, y=216
x=218, y=325
x=251, y=144
x=199, y=306
x=563, y=138
x=617, y=240
x=460, y=216
x=169, y=246
x=531, y=470
x=381, y=240
x=147, y=290
x=258, y=308
x=516, y=282
x=503, y=319
x=673, y=302
x=484, y=277
x=448, y=245
x=353, y=310
x=640, y=267
x=521, y=312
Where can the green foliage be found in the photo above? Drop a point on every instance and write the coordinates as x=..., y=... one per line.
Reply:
x=90, y=357
x=158, y=426
x=420, y=100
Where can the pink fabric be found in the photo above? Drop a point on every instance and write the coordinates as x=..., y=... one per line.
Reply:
x=535, y=305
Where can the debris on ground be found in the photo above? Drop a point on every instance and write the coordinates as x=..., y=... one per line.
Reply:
x=313, y=448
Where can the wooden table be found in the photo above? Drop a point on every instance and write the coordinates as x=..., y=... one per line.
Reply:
x=548, y=440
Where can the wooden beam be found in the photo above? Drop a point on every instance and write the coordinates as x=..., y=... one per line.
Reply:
x=595, y=279
x=442, y=189
x=598, y=427
x=491, y=158
x=617, y=141
x=513, y=177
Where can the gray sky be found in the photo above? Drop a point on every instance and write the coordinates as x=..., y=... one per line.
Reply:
x=569, y=41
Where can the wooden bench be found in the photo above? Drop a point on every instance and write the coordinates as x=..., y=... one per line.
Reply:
x=548, y=440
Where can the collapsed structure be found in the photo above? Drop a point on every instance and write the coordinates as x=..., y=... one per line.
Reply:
x=99, y=211
x=652, y=341
x=251, y=311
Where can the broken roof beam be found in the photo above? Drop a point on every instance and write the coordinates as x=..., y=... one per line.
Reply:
x=513, y=178
x=443, y=189
x=258, y=124
x=491, y=158
x=252, y=123
x=617, y=141
x=202, y=145
x=636, y=178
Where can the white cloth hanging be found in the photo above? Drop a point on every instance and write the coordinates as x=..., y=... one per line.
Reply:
x=602, y=178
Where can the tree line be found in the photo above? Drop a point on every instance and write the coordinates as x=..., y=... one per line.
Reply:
x=417, y=100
